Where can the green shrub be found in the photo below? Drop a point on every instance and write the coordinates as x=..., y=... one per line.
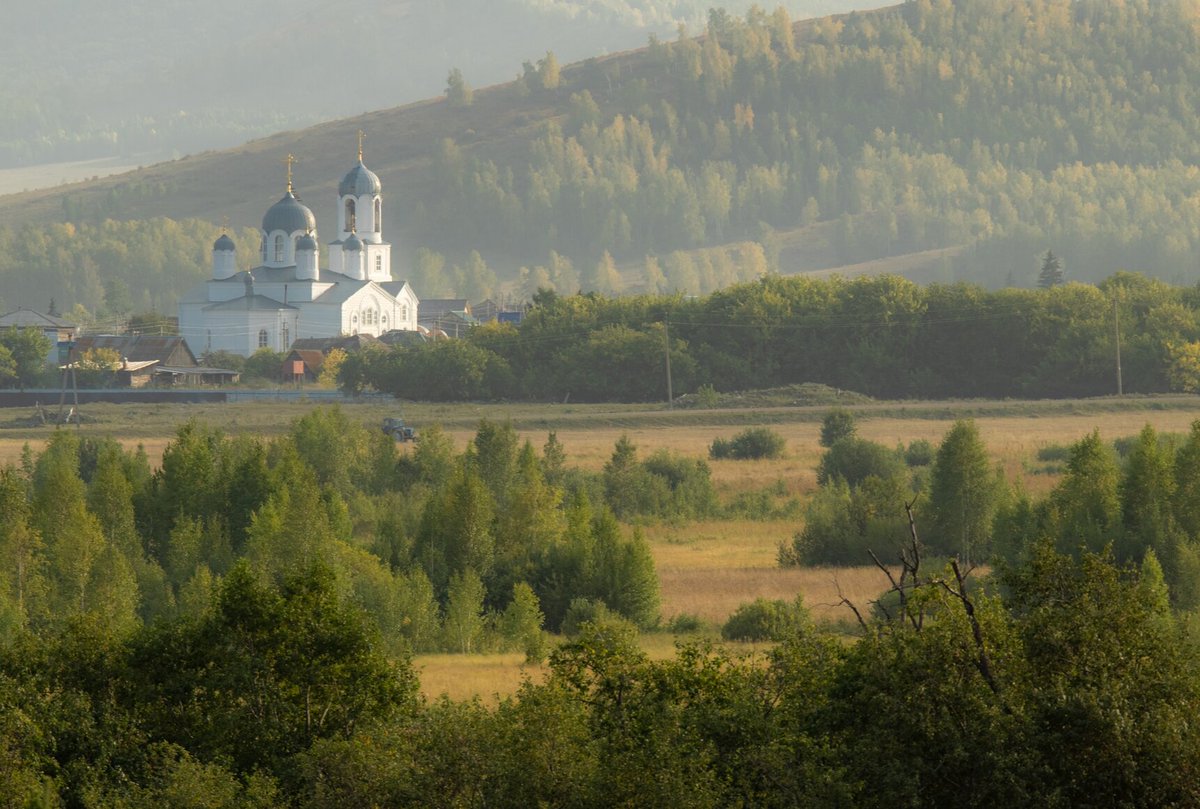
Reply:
x=592, y=611
x=750, y=444
x=685, y=624
x=707, y=396
x=770, y=503
x=836, y=425
x=842, y=526
x=1054, y=453
x=683, y=486
x=855, y=459
x=919, y=453
x=762, y=620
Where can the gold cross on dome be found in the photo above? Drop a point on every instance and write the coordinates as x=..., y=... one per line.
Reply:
x=289, y=160
x=360, y=140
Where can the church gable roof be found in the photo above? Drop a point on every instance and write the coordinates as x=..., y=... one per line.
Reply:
x=396, y=288
x=343, y=290
x=253, y=303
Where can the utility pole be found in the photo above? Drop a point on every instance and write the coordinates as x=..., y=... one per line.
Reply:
x=69, y=368
x=667, y=347
x=1117, y=332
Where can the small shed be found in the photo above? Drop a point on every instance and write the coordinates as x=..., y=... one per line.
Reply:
x=303, y=365
x=136, y=374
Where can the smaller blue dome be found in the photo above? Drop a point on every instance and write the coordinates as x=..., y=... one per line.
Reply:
x=306, y=242
x=224, y=243
x=352, y=243
x=359, y=181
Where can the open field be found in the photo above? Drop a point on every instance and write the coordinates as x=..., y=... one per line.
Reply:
x=706, y=569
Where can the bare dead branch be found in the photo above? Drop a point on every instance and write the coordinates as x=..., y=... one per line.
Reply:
x=982, y=662
x=848, y=603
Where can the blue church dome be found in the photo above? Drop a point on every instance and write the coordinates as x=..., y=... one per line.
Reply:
x=289, y=215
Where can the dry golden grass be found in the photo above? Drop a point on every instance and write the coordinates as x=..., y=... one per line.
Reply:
x=713, y=595
x=487, y=676
x=717, y=544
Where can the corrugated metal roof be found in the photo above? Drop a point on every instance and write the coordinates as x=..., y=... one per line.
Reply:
x=139, y=347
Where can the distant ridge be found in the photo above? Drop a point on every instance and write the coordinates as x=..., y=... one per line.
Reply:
x=241, y=182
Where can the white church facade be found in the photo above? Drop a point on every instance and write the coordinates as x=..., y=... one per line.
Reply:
x=288, y=296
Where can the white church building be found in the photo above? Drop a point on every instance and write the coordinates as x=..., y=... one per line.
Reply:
x=287, y=296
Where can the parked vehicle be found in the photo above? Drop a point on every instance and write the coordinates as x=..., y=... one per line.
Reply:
x=398, y=430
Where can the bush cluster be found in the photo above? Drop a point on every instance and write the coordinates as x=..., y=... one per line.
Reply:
x=751, y=444
x=766, y=620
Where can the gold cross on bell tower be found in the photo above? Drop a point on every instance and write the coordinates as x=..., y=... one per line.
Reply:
x=360, y=140
x=289, y=160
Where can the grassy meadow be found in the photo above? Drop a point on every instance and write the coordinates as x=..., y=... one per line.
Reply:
x=706, y=569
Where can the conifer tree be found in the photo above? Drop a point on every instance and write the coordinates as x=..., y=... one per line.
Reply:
x=1051, y=274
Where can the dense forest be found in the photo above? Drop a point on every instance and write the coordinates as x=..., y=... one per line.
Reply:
x=426, y=542
x=234, y=629
x=882, y=336
x=1004, y=126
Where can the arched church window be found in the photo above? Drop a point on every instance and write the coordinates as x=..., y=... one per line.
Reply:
x=262, y=338
x=279, y=248
x=263, y=248
x=349, y=214
x=384, y=320
x=404, y=312
x=378, y=215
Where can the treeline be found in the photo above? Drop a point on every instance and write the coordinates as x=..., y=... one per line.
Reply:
x=986, y=123
x=1134, y=499
x=882, y=336
x=1078, y=686
x=444, y=550
x=108, y=268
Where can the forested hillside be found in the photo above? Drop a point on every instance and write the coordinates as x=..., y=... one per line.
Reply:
x=1001, y=125
x=151, y=80
x=1001, y=128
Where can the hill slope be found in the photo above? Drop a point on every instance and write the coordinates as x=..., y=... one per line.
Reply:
x=994, y=125
x=132, y=77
